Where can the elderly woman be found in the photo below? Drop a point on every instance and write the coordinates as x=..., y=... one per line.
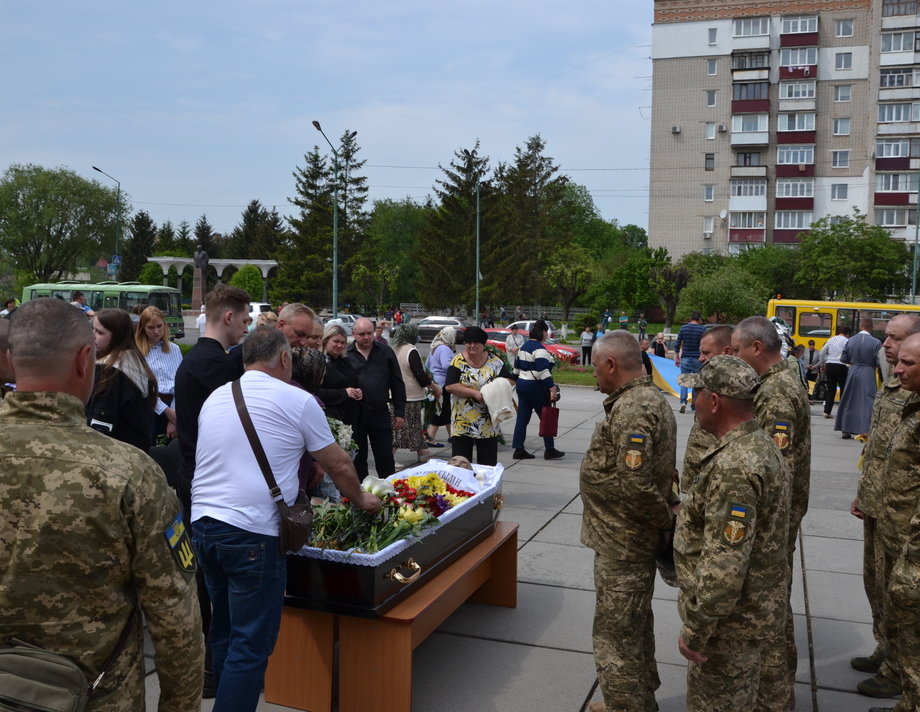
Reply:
x=440, y=355
x=418, y=383
x=468, y=372
x=535, y=389
x=339, y=390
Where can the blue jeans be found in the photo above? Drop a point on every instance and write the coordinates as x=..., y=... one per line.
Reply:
x=529, y=402
x=688, y=364
x=246, y=575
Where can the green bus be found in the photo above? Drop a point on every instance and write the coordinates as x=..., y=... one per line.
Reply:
x=118, y=295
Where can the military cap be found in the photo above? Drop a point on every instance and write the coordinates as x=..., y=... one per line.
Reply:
x=728, y=376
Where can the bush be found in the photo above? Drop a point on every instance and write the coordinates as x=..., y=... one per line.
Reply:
x=583, y=320
x=249, y=278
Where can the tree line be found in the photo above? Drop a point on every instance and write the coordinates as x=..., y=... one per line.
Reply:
x=541, y=240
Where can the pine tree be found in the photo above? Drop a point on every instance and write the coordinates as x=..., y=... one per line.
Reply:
x=206, y=238
x=166, y=238
x=353, y=217
x=138, y=247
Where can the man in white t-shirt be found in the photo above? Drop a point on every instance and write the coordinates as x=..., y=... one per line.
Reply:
x=513, y=344
x=235, y=522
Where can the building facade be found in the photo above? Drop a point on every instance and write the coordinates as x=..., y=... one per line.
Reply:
x=768, y=115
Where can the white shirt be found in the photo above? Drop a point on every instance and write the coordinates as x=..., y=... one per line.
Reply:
x=164, y=366
x=833, y=349
x=228, y=484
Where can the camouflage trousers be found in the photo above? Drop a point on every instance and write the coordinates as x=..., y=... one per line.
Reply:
x=624, y=635
x=875, y=582
x=902, y=631
x=779, y=660
x=728, y=681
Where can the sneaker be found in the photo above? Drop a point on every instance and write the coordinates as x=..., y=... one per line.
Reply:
x=553, y=454
x=879, y=686
x=683, y=407
x=598, y=706
x=522, y=455
x=827, y=415
x=870, y=664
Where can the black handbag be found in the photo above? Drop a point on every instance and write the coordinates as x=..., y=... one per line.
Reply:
x=296, y=519
x=819, y=391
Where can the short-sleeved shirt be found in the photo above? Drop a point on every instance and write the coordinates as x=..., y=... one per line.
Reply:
x=468, y=417
x=688, y=340
x=626, y=474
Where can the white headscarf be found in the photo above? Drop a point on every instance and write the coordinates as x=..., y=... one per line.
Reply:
x=446, y=336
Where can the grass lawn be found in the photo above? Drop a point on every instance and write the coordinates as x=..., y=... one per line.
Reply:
x=574, y=375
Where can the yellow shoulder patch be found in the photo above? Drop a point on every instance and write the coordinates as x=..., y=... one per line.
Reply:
x=180, y=544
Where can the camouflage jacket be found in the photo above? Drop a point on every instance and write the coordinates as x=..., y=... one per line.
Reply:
x=730, y=541
x=886, y=414
x=781, y=408
x=89, y=540
x=698, y=443
x=902, y=478
x=626, y=474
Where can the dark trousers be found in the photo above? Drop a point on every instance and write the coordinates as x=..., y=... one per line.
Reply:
x=836, y=376
x=375, y=427
x=486, y=449
x=585, y=355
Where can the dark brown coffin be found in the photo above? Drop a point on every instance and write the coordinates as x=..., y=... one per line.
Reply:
x=367, y=591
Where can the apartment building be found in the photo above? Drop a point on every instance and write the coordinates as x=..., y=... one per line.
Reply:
x=768, y=115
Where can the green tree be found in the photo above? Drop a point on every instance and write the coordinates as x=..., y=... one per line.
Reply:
x=205, y=237
x=139, y=246
x=53, y=221
x=852, y=260
x=249, y=279
x=258, y=235
x=151, y=273
x=778, y=267
x=568, y=275
x=304, y=257
x=728, y=294
x=353, y=216
x=447, y=241
x=667, y=281
x=166, y=239
x=184, y=240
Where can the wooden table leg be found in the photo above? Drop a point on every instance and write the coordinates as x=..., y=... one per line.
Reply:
x=299, y=672
x=500, y=589
x=375, y=665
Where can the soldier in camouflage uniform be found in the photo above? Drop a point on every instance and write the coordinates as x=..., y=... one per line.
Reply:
x=91, y=533
x=782, y=410
x=886, y=416
x=730, y=544
x=716, y=341
x=626, y=478
x=898, y=530
x=6, y=373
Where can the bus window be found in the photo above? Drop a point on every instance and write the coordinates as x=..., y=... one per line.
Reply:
x=95, y=300
x=787, y=314
x=815, y=325
x=847, y=317
x=112, y=301
x=166, y=302
x=880, y=319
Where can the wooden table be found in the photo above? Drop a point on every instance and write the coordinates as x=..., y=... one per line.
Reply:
x=375, y=656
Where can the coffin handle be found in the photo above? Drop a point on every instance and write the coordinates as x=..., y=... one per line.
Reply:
x=410, y=564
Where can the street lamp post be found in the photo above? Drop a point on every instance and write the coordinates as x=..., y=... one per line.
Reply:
x=478, y=183
x=117, y=210
x=335, y=219
x=913, y=279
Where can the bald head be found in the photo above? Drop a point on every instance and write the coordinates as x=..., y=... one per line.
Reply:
x=908, y=368
x=898, y=329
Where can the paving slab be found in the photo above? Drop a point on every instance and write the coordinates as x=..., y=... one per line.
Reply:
x=556, y=565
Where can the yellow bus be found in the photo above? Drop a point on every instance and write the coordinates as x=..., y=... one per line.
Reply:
x=813, y=320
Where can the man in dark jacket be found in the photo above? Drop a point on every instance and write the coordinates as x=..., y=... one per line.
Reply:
x=381, y=382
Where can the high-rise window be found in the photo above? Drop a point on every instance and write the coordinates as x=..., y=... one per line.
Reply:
x=712, y=66
x=895, y=217
x=844, y=28
x=800, y=24
x=897, y=113
x=843, y=60
x=798, y=57
x=804, y=121
x=749, y=187
x=895, y=182
x=713, y=34
x=709, y=162
x=750, y=158
x=797, y=90
x=840, y=159
x=751, y=60
x=786, y=155
x=890, y=8
x=892, y=148
x=842, y=92
x=753, y=90
x=792, y=219
x=841, y=127
x=710, y=129
x=750, y=122
x=897, y=42
x=795, y=187
x=709, y=193
x=838, y=191
x=747, y=220
x=752, y=26
x=897, y=77
x=710, y=98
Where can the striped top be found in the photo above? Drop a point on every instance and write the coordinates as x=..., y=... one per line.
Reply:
x=534, y=365
x=164, y=367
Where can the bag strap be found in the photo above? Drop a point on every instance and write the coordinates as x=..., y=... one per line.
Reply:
x=254, y=441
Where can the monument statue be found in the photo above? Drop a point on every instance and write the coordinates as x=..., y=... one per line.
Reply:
x=201, y=260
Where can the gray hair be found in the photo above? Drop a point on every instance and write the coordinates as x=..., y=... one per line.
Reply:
x=623, y=346
x=759, y=328
x=294, y=310
x=264, y=345
x=45, y=333
x=911, y=323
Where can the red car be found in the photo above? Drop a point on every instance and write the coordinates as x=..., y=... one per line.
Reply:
x=562, y=353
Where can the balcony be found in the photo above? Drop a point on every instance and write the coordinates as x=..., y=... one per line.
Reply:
x=794, y=105
x=750, y=106
x=747, y=203
x=894, y=198
x=750, y=138
x=898, y=128
x=793, y=170
x=795, y=137
x=807, y=71
x=749, y=171
x=891, y=9
x=761, y=74
x=788, y=237
x=749, y=43
x=893, y=164
x=899, y=93
x=800, y=39
x=795, y=203
x=746, y=234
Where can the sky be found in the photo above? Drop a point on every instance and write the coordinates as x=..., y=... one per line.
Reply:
x=200, y=107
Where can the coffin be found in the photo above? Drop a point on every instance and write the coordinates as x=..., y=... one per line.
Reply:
x=365, y=586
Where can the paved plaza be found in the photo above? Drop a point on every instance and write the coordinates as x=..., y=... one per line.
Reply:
x=537, y=657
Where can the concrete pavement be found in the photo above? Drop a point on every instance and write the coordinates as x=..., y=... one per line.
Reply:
x=538, y=656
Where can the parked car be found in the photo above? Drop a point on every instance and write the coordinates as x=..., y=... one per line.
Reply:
x=346, y=321
x=429, y=327
x=256, y=308
x=526, y=326
x=562, y=353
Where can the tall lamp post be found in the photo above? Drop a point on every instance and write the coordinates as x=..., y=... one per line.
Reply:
x=913, y=279
x=335, y=219
x=478, y=183
x=117, y=210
